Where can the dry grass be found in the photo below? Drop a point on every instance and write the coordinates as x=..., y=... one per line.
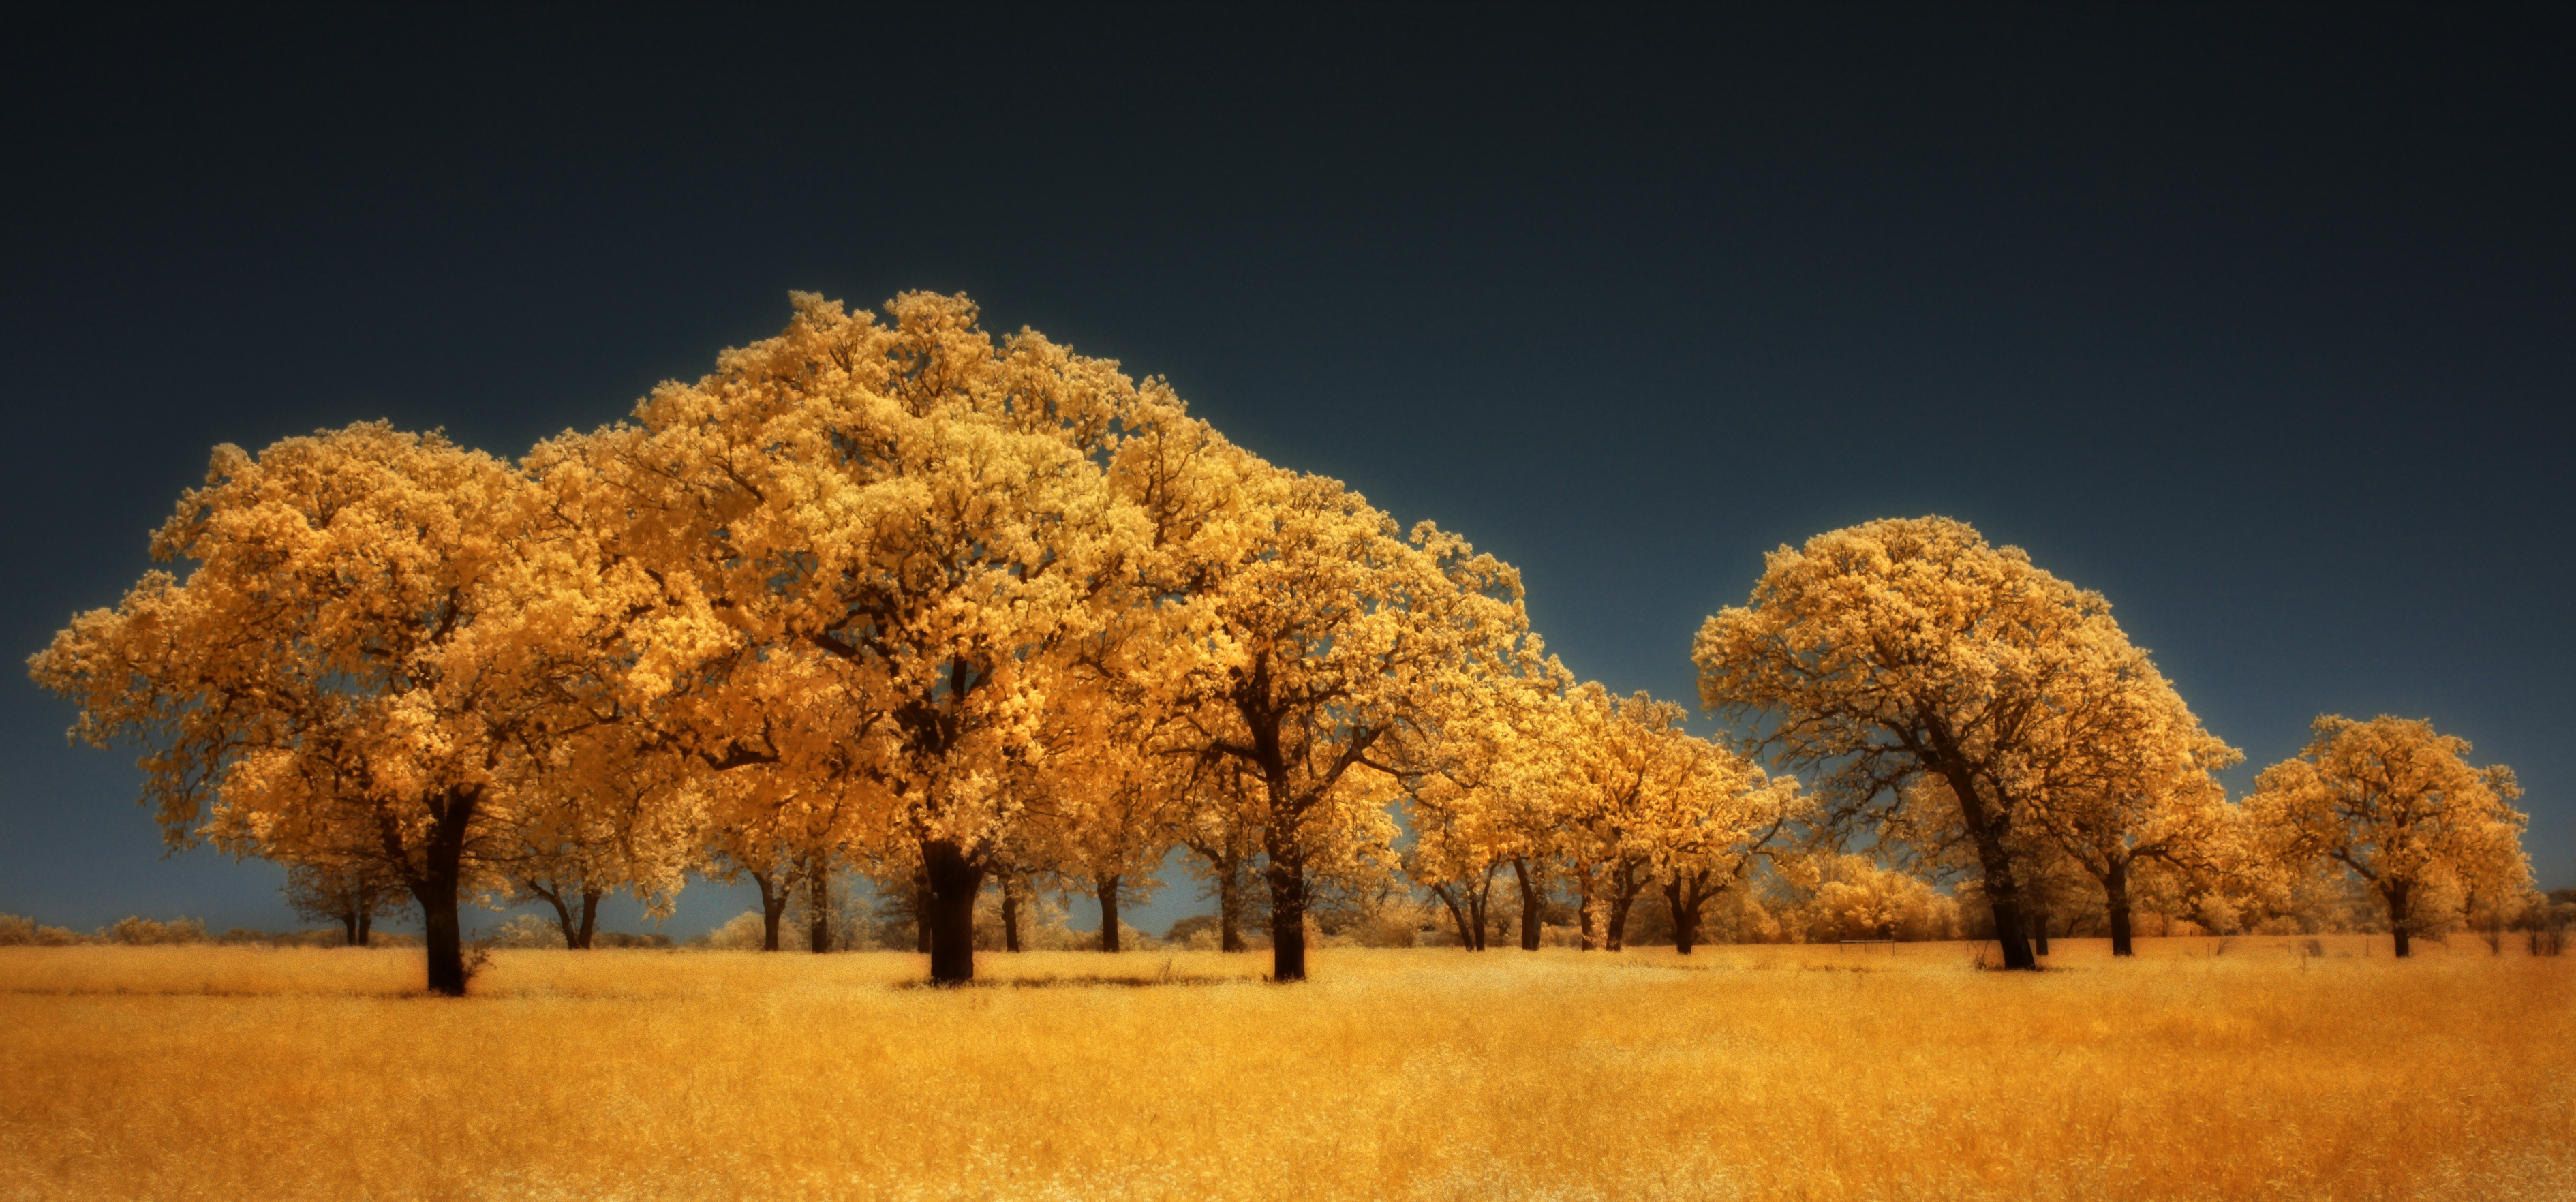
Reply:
x=1739, y=1072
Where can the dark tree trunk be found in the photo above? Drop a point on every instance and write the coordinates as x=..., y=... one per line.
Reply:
x=1533, y=901
x=366, y=925
x=954, y=881
x=2039, y=932
x=818, y=922
x=1229, y=904
x=2400, y=916
x=1287, y=914
x=350, y=920
x=1106, y=889
x=921, y=910
x=1623, y=893
x=2115, y=898
x=435, y=889
x=589, y=917
x=1684, y=901
x=563, y=914
x=1994, y=862
x=1471, y=930
x=1010, y=913
x=773, y=906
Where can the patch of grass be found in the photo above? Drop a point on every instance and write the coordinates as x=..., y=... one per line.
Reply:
x=1805, y=1072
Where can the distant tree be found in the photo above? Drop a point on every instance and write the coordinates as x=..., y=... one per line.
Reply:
x=2399, y=808
x=354, y=893
x=1906, y=648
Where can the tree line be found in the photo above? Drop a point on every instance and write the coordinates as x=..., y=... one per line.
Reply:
x=956, y=610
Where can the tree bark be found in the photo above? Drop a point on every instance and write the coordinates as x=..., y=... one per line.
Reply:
x=1287, y=914
x=589, y=917
x=2039, y=932
x=1106, y=889
x=366, y=925
x=954, y=881
x=350, y=920
x=1470, y=930
x=1010, y=913
x=818, y=903
x=773, y=906
x=1624, y=887
x=1994, y=862
x=2400, y=915
x=1533, y=901
x=1685, y=916
x=2115, y=897
x=435, y=889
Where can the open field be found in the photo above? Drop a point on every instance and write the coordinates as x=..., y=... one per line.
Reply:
x=1756, y=1072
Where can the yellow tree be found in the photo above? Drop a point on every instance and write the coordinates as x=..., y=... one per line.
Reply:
x=2399, y=808
x=902, y=524
x=1702, y=828
x=1905, y=648
x=2133, y=784
x=1483, y=795
x=1318, y=644
x=383, y=637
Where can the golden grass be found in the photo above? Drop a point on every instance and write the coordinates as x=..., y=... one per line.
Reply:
x=1754, y=1072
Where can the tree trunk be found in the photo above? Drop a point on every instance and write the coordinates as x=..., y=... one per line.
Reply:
x=563, y=915
x=350, y=920
x=2115, y=897
x=435, y=889
x=1468, y=931
x=1010, y=913
x=2039, y=932
x=1994, y=864
x=1229, y=904
x=589, y=916
x=1623, y=894
x=1533, y=903
x=1685, y=916
x=2400, y=915
x=366, y=925
x=1106, y=889
x=1287, y=915
x=954, y=881
x=818, y=902
x=773, y=906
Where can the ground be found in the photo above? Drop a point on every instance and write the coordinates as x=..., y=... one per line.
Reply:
x=2206, y=1068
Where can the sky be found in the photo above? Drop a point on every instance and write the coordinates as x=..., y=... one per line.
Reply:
x=2257, y=320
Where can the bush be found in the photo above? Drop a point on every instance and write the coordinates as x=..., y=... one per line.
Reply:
x=143, y=932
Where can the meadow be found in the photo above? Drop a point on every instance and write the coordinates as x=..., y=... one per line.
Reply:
x=2203, y=1069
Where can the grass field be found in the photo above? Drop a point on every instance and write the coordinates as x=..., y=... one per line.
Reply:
x=2201, y=1070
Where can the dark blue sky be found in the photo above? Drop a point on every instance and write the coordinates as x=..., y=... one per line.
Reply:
x=2258, y=320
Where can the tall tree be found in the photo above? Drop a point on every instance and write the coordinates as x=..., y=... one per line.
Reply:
x=2399, y=808
x=384, y=632
x=902, y=524
x=1908, y=647
x=1322, y=642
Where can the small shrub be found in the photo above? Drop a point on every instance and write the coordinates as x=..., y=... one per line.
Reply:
x=143, y=932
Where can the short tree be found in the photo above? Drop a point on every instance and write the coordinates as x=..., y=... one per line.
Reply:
x=2399, y=808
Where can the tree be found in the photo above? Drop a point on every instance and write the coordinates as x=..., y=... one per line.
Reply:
x=2135, y=786
x=384, y=636
x=901, y=525
x=1322, y=642
x=354, y=893
x=2399, y=808
x=1905, y=648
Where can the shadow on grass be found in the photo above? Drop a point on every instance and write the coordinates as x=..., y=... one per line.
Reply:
x=1080, y=982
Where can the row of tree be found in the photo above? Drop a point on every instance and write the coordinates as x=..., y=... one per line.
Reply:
x=950, y=610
